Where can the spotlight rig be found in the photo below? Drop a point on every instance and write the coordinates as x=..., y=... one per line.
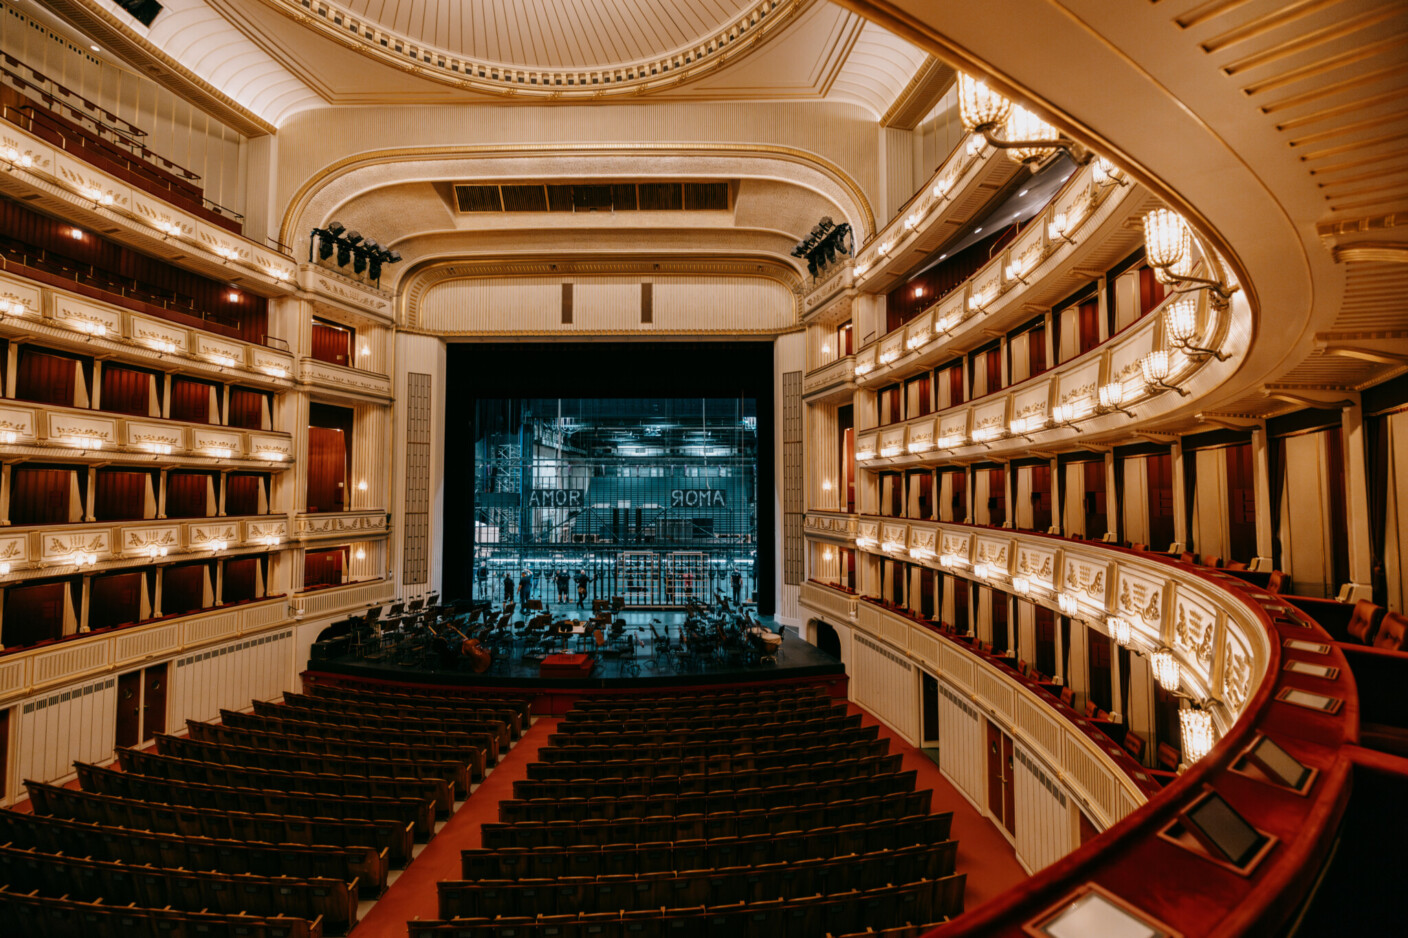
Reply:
x=351, y=247
x=823, y=243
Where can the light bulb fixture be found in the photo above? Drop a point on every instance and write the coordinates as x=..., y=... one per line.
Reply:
x=826, y=485
x=217, y=547
x=1021, y=585
x=155, y=551
x=1031, y=139
x=1166, y=669
x=1120, y=630
x=1168, y=247
x=864, y=368
x=162, y=346
x=157, y=449
x=890, y=452
x=826, y=348
x=1057, y=228
x=944, y=324
x=1068, y=604
x=17, y=159
x=362, y=485
x=920, y=446
x=912, y=221
x=976, y=302
x=276, y=371
x=1112, y=397
x=8, y=436
x=1014, y=271
x=1155, y=369
x=4, y=568
x=942, y=187
x=271, y=541
x=889, y=355
x=220, y=452
x=921, y=553
x=224, y=361
x=861, y=270
x=865, y=455
x=864, y=542
x=270, y=455
x=361, y=554
x=1107, y=173
x=1181, y=323
x=828, y=555
x=1198, y=734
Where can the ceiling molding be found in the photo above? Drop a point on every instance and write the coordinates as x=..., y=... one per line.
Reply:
x=528, y=83
x=298, y=204
x=124, y=42
x=929, y=84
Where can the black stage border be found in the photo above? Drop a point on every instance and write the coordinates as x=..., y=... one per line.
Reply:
x=596, y=370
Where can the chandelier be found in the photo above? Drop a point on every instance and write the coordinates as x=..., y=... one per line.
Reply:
x=1026, y=137
x=1168, y=246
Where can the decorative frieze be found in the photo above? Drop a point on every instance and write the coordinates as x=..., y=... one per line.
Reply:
x=1195, y=632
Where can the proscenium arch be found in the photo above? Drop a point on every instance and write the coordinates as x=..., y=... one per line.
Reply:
x=340, y=182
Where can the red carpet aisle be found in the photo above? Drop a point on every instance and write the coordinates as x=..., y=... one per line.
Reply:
x=983, y=853
x=413, y=894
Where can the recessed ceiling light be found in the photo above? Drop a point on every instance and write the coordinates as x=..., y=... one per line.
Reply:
x=95, y=49
x=942, y=256
x=977, y=231
x=1022, y=193
x=1016, y=214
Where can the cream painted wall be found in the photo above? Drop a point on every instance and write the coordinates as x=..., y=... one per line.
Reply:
x=788, y=355
x=423, y=355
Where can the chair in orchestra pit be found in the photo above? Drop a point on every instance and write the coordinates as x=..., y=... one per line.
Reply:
x=659, y=644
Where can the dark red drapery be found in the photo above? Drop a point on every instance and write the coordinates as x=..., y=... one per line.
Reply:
x=182, y=589
x=187, y=495
x=327, y=469
x=33, y=613
x=45, y=378
x=246, y=409
x=126, y=391
x=39, y=495
x=120, y=496
x=115, y=599
x=322, y=568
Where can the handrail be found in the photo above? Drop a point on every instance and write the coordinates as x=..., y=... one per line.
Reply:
x=1133, y=859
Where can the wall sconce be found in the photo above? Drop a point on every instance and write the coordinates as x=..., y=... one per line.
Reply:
x=1120, y=631
x=826, y=348
x=1107, y=173
x=1058, y=226
x=1021, y=585
x=1181, y=321
x=826, y=485
x=1068, y=604
x=362, y=485
x=270, y=541
x=863, y=369
x=4, y=568
x=921, y=553
x=942, y=187
x=865, y=454
x=1112, y=397
x=161, y=346
x=8, y=436
x=271, y=455
x=98, y=197
x=219, y=452
x=1155, y=369
x=15, y=158
x=861, y=270
x=1166, y=669
x=274, y=371
x=153, y=552
x=1027, y=138
x=217, y=547
x=1013, y=272
x=12, y=307
x=361, y=554
x=1168, y=245
x=865, y=543
x=828, y=555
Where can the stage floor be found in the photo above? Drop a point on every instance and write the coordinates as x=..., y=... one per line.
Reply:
x=646, y=668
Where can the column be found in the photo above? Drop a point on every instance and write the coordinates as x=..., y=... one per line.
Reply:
x=1356, y=493
x=1261, y=483
x=1180, y=505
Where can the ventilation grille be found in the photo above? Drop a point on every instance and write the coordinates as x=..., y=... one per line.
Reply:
x=594, y=197
x=885, y=652
x=959, y=702
x=231, y=649
x=415, y=552
x=54, y=700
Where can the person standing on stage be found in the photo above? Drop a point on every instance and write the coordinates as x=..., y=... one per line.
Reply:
x=508, y=587
x=525, y=588
x=562, y=580
x=582, y=581
x=737, y=582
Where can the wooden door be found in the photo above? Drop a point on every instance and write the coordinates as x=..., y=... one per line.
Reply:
x=1009, y=787
x=153, y=701
x=929, y=699
x=129, y=708
x=996, y=796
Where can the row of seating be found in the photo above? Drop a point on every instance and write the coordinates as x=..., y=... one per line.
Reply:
x=499, y=724
x=624, y=767
x=707, y=887
x=35, y=916
x=449, y=772
x=391, y=839
x=643, y=806
x=699, y=783
x=928, y=901
x=568, y=832
x=472, y=699
x=55, y=874
x=778, y=705
x=128, y=784
x=363, y=865
x=471, y=746
x=741, y=724
x=617, y=743
x=411, y=797
x=704, y=698
x=705, y=733
x=1363, y=623
x=749, y=850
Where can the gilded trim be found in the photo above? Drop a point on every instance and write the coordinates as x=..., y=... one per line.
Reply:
x=300, y=198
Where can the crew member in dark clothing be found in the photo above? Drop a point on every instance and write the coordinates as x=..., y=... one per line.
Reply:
x=562, y=580
x=582, y=581
x=525, y=589
x=508, y=587
x=737, y=581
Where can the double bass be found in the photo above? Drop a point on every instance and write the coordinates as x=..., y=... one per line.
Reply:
x=479, y=657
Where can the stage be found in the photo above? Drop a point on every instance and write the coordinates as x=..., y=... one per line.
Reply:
x=648, y=667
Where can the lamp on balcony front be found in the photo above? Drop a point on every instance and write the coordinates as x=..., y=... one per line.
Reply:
x=1181, y=321
x=1166, y=669
x=1198, y=735
x=1155, y=369
x=1168, y=247
x=1027, y=138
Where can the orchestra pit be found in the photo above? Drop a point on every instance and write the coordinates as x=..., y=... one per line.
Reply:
x=699, y=468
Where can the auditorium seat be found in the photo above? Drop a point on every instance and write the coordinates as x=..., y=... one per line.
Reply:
x=1392, y=632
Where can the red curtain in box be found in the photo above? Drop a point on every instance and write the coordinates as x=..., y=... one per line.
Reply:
x=246, y=409
x=190, y=400
x=241, y=580
x=242, y=494
x=126, y=391
x=115, y=599
x=33, y=614
x=183, y=589
x=994, y=370
x=1036, y=351
x=331, y=344
x=955, y=385
x=997, y=497
x=1151, y=292
x=327, y=469
x=120, y=496
x=40, y=496
x=45, y=378
x=1159, y=474
x=187, y=495
x=1088, y=322
x=1096, y=516
x=322, y=568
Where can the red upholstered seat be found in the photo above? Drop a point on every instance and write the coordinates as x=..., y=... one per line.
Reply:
x=1212, y=561
x=1168, y=757
x=1186, y=557
x=1134, y=745
x=1068, y=697
x=1275, y=581
x=1393, y=632
x=1364, y=622
x=1091, y=708
x=1236, y=565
